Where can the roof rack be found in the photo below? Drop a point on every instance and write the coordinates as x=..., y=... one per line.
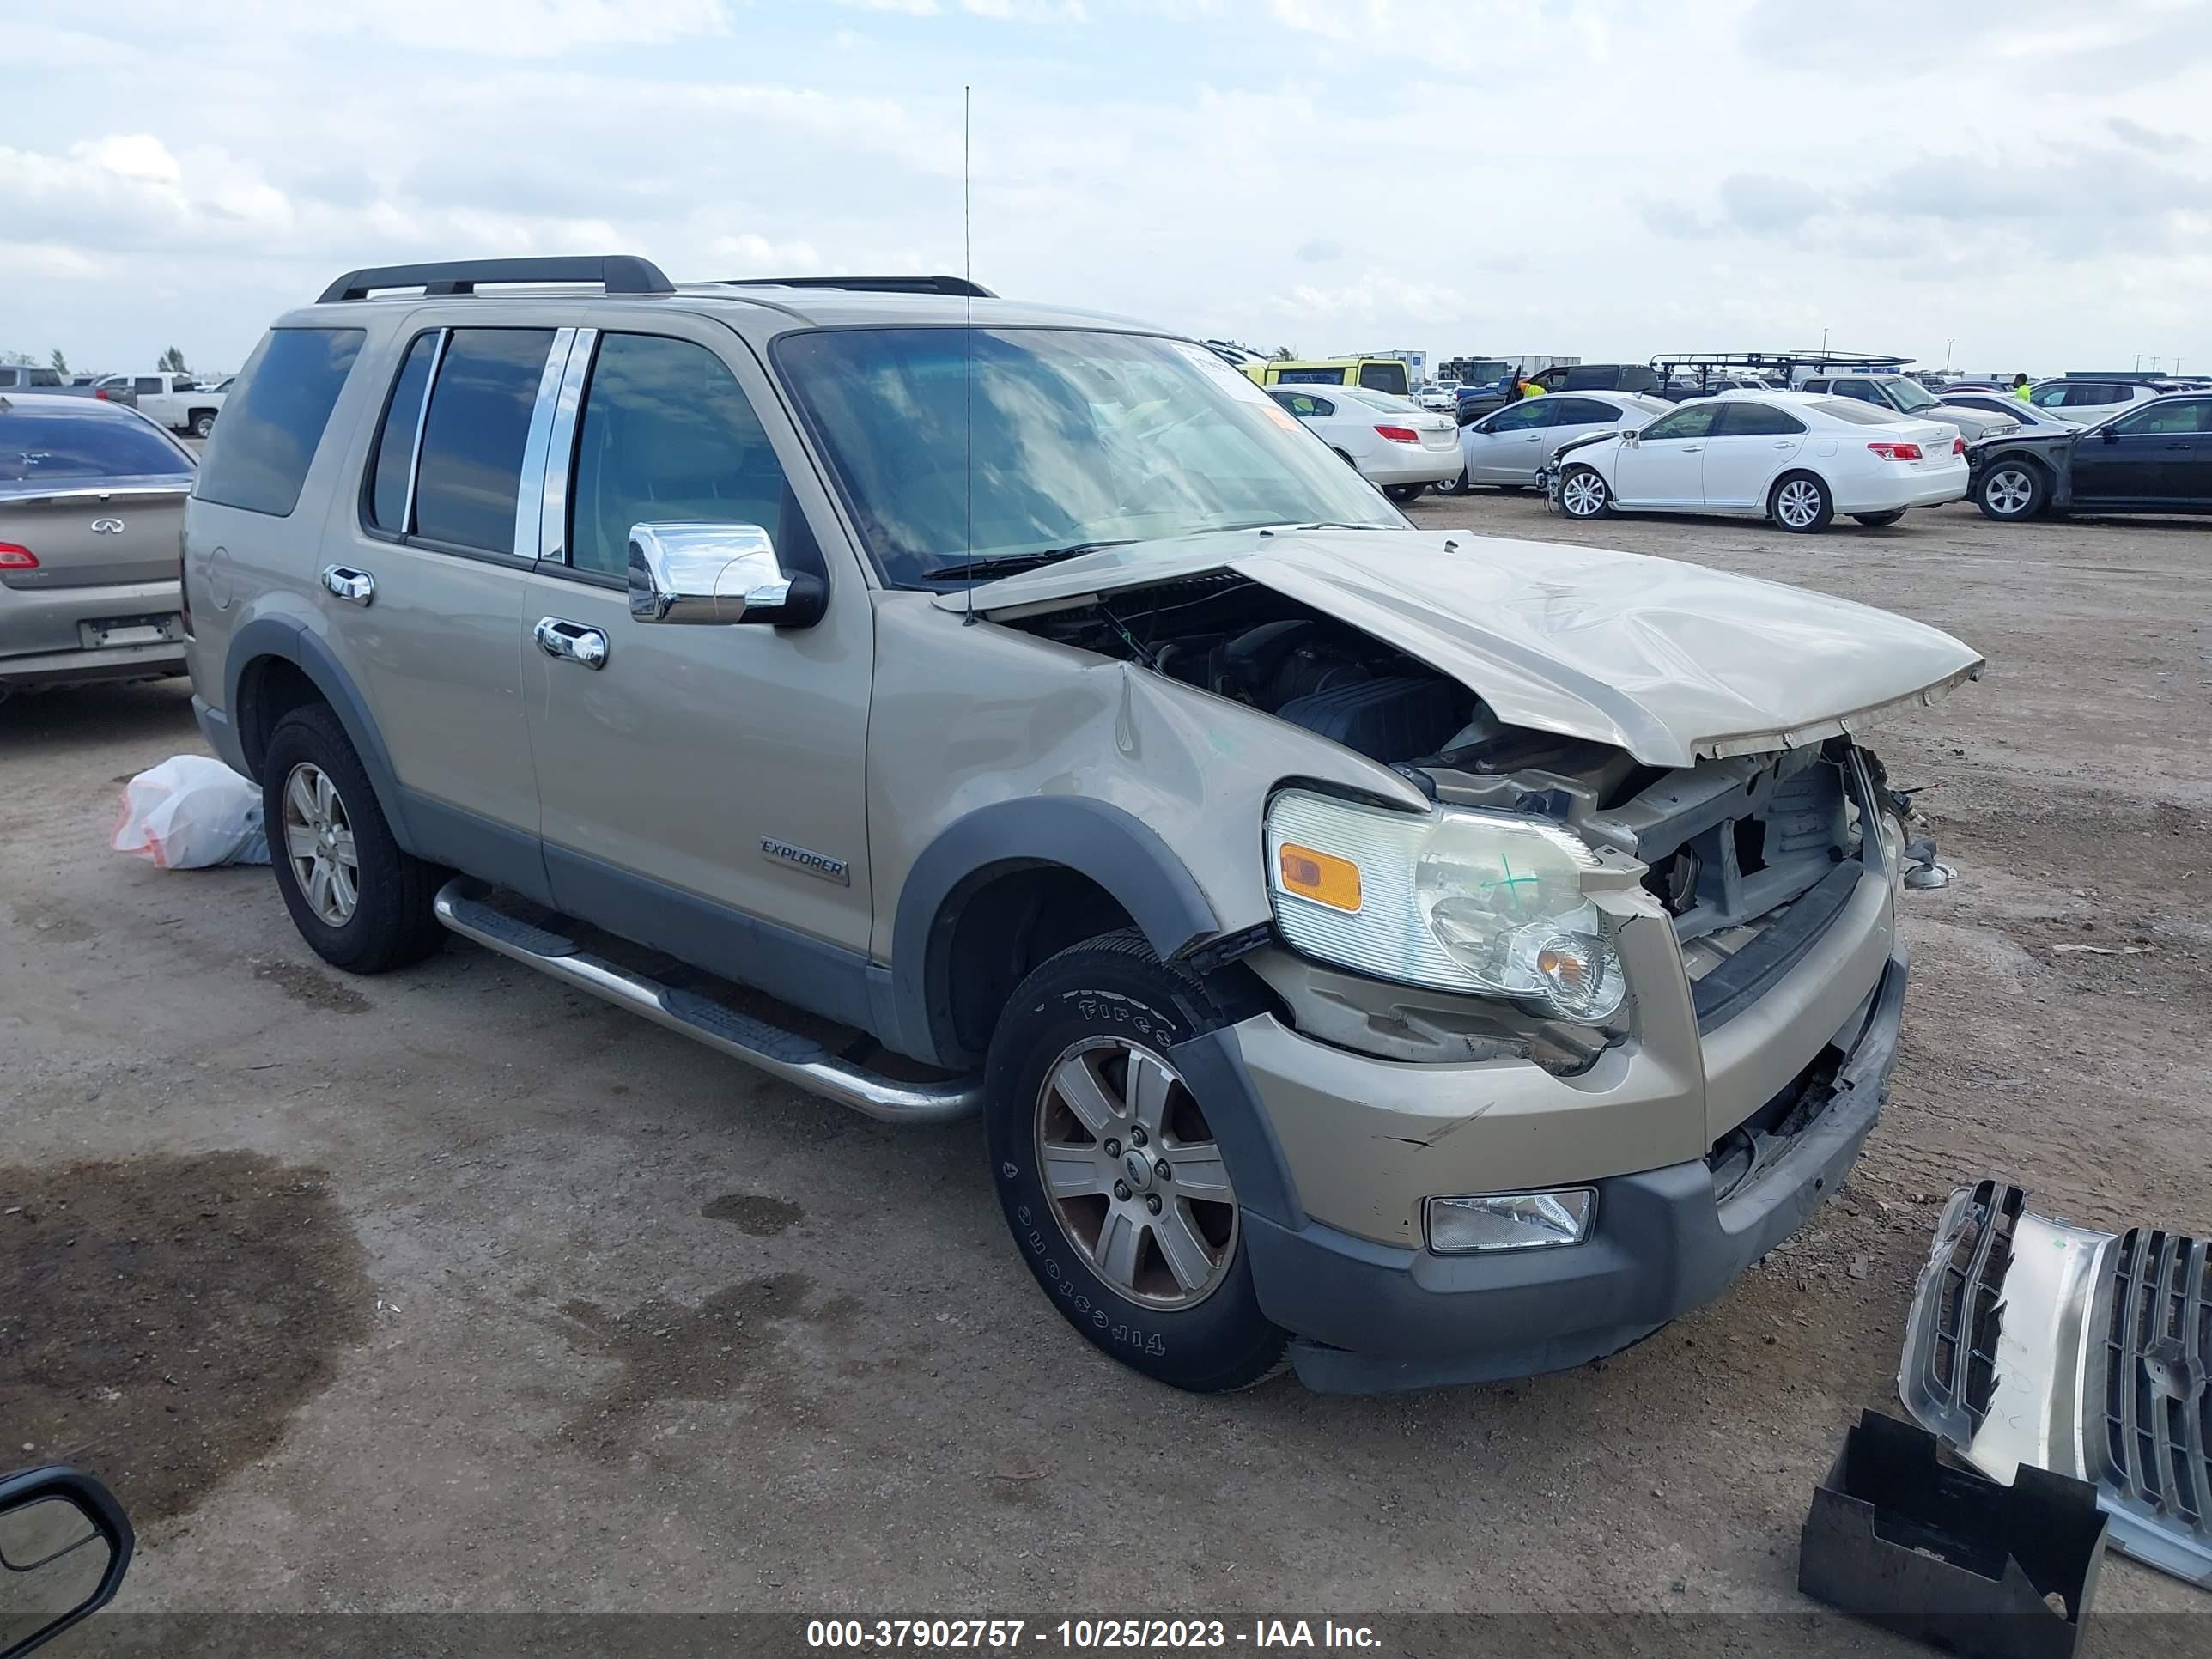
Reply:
x=619, y=273
x=956, y=287
x=1784, y=359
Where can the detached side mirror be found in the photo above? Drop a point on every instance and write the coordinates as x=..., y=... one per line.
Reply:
x=718, y=574
x=65, y=1546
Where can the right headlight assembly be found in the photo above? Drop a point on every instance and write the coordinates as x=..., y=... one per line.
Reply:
x=1454, y=899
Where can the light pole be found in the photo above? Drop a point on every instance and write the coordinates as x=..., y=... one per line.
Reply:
x=1947, y=356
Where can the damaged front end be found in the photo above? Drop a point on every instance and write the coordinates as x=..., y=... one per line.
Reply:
x=2035, y=1342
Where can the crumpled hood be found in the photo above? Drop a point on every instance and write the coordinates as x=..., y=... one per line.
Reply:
x=1670, y=661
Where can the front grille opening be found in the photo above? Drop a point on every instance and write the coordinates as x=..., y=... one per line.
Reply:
x=1969, y=1302
x=1750, y=844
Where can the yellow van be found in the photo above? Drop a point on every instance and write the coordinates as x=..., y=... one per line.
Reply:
x=1375, y=374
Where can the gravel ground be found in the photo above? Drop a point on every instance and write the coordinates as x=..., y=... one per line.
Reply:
x=453, y=1289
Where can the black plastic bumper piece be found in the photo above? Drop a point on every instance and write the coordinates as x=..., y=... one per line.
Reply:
x=1371, y=1318
x=1948, y=1555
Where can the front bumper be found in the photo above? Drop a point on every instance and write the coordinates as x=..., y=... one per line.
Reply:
x=1372, y=1317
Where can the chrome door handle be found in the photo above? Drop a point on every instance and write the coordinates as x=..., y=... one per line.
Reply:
x=572, y=641
x=1693, y=449
x=354, y=586
x=1533, y=438
x=1785, y=443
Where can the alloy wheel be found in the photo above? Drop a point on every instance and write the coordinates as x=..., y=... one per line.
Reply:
x=319, y=846
x=1583, y=496
x=1136, y=1181
x=2009, y=492
x=1798, y=503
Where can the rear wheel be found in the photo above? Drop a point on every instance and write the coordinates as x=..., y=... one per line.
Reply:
x=360, y=902
x=1116, y=1191
x=1403, y=493
x=1877, y=519
x=1801, y=503
x=1458, y=486
x=204, y=424
x=1583, y=494
x=2012, y=489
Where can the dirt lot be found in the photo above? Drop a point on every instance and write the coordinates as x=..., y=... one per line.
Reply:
x=453, y=1289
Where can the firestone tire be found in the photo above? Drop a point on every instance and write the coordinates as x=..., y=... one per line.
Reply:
x=1078, y=1065
x=312, y=781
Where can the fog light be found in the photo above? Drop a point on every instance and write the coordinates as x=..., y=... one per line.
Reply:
x=1510, y=1221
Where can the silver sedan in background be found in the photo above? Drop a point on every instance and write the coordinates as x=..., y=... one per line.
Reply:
x=1508, y=448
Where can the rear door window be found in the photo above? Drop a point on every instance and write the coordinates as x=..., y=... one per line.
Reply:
x=1743, y=418
x=667, y=435
x=474, y=435
x=1579, y=412
x=274, y=419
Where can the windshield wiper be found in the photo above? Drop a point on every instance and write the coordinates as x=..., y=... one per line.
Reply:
x=1007, y=564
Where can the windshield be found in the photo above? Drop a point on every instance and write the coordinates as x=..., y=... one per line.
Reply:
x=1080, y=438
x=1911, y=395
x=36, y=446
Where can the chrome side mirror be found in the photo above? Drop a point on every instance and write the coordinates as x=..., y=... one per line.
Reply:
x=717, y=573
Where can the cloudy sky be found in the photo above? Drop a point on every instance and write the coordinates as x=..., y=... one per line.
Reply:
x=2025, y=183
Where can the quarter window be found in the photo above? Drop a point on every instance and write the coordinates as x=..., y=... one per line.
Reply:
x=1304, y=404
x=275, y=417
x=667, y=435
x=1861, y=390
x=395, y=438
x=1384, y=377
x=474, y=435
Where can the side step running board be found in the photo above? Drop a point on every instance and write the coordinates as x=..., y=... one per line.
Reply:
x=786, y=1054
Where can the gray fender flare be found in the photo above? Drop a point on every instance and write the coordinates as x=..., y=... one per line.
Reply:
x=284, y=638
x=1111, y=847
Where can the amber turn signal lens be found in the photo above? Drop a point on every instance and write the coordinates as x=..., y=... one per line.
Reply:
x=1321, y=876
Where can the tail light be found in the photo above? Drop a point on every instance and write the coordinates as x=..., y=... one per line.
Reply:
x=1400, y=434
x=13, y=557
x=1958, y=446
x=101, y=394
x=1893, y=452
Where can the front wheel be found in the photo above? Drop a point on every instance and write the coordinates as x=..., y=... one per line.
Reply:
x=1583, y=494
x=1118, y=1195
x=1458, y=486
x=202, y=424
x=2012, y=489
x=1876, y=520
x=1802, y=504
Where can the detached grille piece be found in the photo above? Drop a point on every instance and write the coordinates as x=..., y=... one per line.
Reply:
x=2158, y=1352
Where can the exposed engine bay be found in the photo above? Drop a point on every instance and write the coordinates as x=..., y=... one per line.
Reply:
x=1733, y=845
x=1242, y=642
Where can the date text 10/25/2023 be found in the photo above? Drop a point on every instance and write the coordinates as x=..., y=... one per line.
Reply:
x=1085, y=1635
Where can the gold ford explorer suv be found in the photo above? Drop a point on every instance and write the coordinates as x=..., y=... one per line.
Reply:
x=1421, y=957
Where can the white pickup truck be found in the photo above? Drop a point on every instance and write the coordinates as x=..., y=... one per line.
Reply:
x=175, y=400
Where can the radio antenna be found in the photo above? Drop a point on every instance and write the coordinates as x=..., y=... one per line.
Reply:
x=968, y=276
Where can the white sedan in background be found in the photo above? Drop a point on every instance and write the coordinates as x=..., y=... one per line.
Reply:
x=1796, y=458
x=1508, y=448
x=1395, y=444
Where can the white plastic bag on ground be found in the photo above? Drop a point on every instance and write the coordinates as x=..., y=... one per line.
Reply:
x=190, y=812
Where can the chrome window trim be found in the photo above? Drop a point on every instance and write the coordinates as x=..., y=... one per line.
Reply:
x=560, y=450
x=530, y=484
x=421, y=419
